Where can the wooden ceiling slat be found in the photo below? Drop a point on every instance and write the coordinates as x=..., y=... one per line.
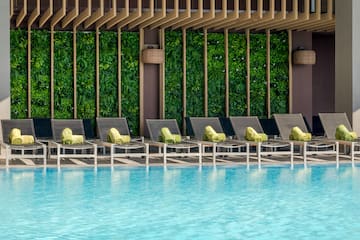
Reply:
x=207, y=16
x=85, y=14
x=108, y=16
x=157, y=16
x=22, y=14
x=34, y=14
x=59, y=14
x=146, y=15
x=198, y=14
x=47, y=14
x=71, y=15
x=123, y=14
x=132, y=16
x=232, y=15
x=168, y=22
x=95, y=16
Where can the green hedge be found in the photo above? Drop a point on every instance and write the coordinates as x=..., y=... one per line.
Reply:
x=216, y=74
x=279, y=73
x=258, y=85
x=194, y=74
x=108, y=65
x=130, y=79
x=173, y=76
x=63, y=75
x=40, y=74
x=237, y=74
x=18, y=73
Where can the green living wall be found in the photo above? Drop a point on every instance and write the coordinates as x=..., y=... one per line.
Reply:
x=173, y=76
x=40, y=74
x=258, y=84
x=194, y=74
x=63, y=75
x=237, y=74
x=130, y=79
x=279, y=73
x=18, y=73
x=108, y=64
x=216, y=74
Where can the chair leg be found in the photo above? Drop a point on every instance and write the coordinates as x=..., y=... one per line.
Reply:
x=58, y=156
x=305, y=154
x=8, y=152
x=200, y=156
x=164, y=154
x=214, y=154
x=259, y=154
x=292, y=155
x=147, y=154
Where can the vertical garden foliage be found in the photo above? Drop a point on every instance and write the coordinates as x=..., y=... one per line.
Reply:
x=216, y=74
x=279, y=73
x=173, y=75
x=237, y=74
x=194, y=74
x=258, y=86
x=63, y=75
x=108, y=74
x=130, y=79
x=18, y=73
x=85, y=61
x=40, y=73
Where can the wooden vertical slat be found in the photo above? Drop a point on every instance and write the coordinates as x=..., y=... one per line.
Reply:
x=268, y=83
x=205, y=75
x=74, y=72
x=162, y=76
x=22, y=14
x=52, y=72
x=29, y=70
x=247, y=32
x=226, y=32
x=290, y=72
x=97, y=70
x=184, y=79
x=119, y=71
x=141, y=83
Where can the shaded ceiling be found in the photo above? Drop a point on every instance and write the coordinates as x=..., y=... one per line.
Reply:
x=214, y=15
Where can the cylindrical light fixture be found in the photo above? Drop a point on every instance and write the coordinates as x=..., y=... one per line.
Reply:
x=153, y=56
x=304, y=57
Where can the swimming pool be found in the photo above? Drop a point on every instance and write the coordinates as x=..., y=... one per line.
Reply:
x=320, y=202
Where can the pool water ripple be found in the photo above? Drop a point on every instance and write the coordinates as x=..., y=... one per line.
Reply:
x=180, y=203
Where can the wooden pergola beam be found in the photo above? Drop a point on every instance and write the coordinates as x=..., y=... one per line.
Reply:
x=95, y=16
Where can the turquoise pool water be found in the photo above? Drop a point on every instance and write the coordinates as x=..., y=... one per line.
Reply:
x=320, y=202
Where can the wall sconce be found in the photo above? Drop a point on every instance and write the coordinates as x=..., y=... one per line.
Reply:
x=301, y=56
x=152, y=55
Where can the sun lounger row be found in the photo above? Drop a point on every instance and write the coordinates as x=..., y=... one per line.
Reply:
x=68, y=139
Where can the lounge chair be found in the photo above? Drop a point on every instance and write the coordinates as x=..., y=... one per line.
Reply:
x=286, y=122
x=184, y=148
x=23, y=151
x=330, y=121
x=273, y=147
x=228, y=147
x=78, y=150
x=134, y=148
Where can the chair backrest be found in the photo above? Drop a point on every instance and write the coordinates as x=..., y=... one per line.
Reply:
x=58, y=125
x=286, y=122
x=42, y=128
x=154, y=127
x=25, y=125
x=330, y=121
x=198, y=125
x=239, y=124
x=104, y=124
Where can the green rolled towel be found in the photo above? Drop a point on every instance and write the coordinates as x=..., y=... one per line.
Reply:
x=177, y=138
x=77, y=139
x=166, y=136
x=27, y=139
x=212, y=136
x=66, y=136
x=252, y=135
x=298, y=135
x=15, y=136
x=342, y=133
x=115, y=137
